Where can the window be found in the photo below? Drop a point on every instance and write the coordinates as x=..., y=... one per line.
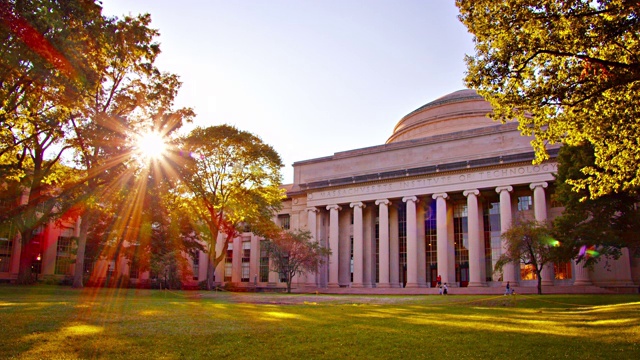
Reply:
x=112, y=268
x=196, y=264
x=134, y=269
x=6, y=247
x=461, y=242
x=402, y=243
x=528, y=272
x=63, y=254
x=492, y=239
x=351, y=257
x=228, y=263
x=563, y=271
x=246, y=256
x=285, y=221
x=431, y=242
x=377, y=237
x=264, y=262
x=525, y=203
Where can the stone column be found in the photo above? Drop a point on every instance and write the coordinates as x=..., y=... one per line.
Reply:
x=312, y=213
x=422, y=256
x=540, y=212
x=254, y=261
x=442, y=236
x=581, y=277
x=236, y=264
x=412, y=242
x=358, y=250
x=383, y=226
x=475, y=243
x=334, y=234
x=394, y=248
x=508, y=271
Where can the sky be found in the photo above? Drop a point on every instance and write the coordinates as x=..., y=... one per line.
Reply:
x=309, y=77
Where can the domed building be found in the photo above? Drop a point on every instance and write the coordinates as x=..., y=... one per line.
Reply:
x=432, y=201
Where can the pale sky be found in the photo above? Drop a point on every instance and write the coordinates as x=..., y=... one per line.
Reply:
x=309, y=77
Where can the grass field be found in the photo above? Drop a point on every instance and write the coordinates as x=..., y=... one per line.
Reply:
x=49, y=322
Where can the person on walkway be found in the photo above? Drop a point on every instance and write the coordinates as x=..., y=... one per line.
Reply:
x=439, y=289
x=439, y=278
x=508, y=290
x=445, y=291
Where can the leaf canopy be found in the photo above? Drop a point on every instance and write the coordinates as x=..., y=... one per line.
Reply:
x=568, y=72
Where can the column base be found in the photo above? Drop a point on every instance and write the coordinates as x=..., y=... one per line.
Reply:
x=397, y=286
x=547, y=283
x=477, y=284
x=333, y=286
x=412, y=285
x=357, y=285
x=582, y=283
x=384, y=285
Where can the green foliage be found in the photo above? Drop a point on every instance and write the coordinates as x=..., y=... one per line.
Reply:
x=531, y=243
x=228, y=178
x=295, y=253
x=607, y=223
x=568, y=71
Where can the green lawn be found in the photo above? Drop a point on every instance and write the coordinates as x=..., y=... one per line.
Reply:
x=61, y=323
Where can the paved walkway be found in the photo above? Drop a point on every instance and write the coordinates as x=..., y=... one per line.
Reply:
x=473, y=290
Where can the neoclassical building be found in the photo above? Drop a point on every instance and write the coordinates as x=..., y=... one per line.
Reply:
x=433, y=200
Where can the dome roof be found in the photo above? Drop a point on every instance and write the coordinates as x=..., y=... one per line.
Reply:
x=458, y=111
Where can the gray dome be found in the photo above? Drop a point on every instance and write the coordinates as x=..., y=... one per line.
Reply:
x=458, y=111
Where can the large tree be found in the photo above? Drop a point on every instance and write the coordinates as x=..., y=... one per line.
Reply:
x=231, y=180
x=530, y=243
x=45, y=64
x=132, y=98
x=569, y=72
x=608, y=223
x=294, y=253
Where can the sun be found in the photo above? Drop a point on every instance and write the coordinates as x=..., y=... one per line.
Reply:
x=151, y=145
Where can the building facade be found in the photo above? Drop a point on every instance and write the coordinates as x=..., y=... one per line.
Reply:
x=432, y=201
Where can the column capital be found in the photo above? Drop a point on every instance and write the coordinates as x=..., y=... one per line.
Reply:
x=410, y=198
x=438, y=195
x=383, y=201
x=475, y=192
x=312, y=209
x=358, y=204
x=543, y=185
x=507, y=188
x=335, y=206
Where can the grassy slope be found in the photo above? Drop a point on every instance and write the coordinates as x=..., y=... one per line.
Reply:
x=58, y=322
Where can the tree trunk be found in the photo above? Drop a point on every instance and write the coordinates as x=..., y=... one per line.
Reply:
x=539, y=273
x=78, y=275
x=25, y=275
x=210, y=272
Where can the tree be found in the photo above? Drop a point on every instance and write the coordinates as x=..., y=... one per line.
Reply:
x=294, y=253
x=133, y=97
x=44, y=66
x=530, y=243
x=608, y=223
x=230, y=179
x=568, y=72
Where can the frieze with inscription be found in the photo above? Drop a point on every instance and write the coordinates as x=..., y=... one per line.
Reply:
x=459, y=178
